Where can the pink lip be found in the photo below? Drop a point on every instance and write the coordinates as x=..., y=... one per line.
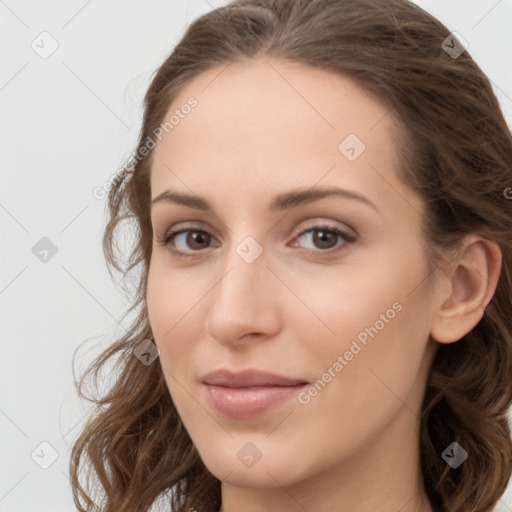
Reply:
x=249, y=393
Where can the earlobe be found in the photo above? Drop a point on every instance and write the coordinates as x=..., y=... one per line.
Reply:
x=471, y=282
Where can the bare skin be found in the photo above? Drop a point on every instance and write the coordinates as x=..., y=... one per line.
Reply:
x=267, y=127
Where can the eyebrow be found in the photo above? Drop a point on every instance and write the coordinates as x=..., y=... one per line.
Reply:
x=279, y=202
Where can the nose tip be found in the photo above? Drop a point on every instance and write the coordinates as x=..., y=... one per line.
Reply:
x=242, y=300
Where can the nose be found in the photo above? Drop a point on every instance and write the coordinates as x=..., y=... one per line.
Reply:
x=244, y=302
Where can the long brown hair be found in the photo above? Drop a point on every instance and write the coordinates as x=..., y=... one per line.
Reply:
x=455, y=149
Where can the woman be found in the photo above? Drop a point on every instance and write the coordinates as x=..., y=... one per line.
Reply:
x=324, y=236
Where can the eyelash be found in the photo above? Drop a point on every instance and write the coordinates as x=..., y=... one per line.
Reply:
x=168, y=236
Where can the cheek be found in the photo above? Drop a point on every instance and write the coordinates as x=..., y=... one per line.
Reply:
x=171, y=294
x=170, y=304
x=375, y=381
x=177, y=302
x=376, y=319
x=360, y=300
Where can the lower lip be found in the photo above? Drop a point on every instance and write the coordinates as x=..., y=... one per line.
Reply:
x=248, y=402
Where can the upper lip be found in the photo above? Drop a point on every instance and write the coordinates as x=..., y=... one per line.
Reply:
x=248, y=378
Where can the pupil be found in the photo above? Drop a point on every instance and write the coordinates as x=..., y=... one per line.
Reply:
x=323, y=236
x=195, y=237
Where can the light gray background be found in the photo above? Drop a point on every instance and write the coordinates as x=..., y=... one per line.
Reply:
x=67, y=122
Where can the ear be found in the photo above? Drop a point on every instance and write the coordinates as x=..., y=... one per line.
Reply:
x=468, y=287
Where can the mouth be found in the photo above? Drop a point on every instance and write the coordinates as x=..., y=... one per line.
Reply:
x=249, y=393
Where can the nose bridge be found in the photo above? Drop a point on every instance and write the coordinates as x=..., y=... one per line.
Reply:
x=242, y=299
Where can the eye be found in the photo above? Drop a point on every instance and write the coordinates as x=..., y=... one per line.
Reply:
x=325, y=238
x=195, y=239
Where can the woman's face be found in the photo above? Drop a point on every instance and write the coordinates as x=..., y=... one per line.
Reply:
x=267, y=283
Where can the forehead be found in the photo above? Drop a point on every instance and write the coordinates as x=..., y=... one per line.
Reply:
x=267, y=122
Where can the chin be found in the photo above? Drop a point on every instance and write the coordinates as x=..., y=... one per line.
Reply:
x=258, y=463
